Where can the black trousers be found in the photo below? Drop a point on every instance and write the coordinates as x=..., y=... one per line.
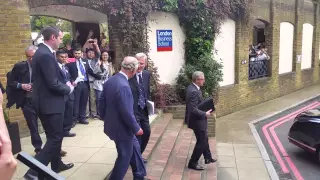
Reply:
x=68, y=116
x=81, y=95
x=143, y=120
x=201, y=147
x=53, y=126
x=31, y=117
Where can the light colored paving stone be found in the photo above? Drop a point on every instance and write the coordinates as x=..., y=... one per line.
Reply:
x=28, y=149
x=225, y=151
x=95, y=123
x=104, y=156
x=230, y=145
x=110, y=145
x=227, y=174
x=92, y=141
x=247, y=152
x=83, y=130
x=227, y=162
x=235, y=145
x=69, y=141
x=91, y=172
x=250, y=163
x=253, y=174
x=79, y=155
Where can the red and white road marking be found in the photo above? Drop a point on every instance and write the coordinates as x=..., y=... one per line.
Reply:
x=278, y=145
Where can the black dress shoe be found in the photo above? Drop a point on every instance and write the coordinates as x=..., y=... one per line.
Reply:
x=63, y=167
x=84, y=122
x=196, y=167
x=69, y=134
x=208, y=161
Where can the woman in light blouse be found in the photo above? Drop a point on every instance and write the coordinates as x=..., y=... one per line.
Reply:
x=104, y=69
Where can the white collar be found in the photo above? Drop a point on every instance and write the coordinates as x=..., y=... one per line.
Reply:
x=124, y=74
x=52, y=51
x=196, y=86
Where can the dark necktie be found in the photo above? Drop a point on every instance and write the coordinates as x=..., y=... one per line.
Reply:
x=142, y=99
x=64, y=71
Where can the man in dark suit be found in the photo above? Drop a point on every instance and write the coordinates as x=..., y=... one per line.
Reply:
x=80, y=71
x=197, y=121
x=116, y=108
x=48, y=98
x=21, y=87
x=140, y=87
x=62, y=57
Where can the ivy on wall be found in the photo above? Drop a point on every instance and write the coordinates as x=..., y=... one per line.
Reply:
x=201, y=20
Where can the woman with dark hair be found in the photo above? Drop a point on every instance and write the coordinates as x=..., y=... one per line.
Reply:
x=102, y=68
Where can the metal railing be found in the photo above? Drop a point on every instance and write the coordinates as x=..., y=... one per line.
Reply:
x=258, y=69
x=44, y=173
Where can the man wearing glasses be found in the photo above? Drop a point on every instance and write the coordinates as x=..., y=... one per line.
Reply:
x=20, y=83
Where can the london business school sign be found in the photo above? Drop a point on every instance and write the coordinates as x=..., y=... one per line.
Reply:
x=164, y=40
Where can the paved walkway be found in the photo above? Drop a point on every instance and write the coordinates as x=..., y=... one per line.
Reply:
x=92, y=152
x=238, y=155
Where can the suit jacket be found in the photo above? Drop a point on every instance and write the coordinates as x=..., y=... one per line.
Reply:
x=48, y=90
x=73, y=70
x=195, y=118
x=20, y=74
x=116, y=108
x=135, y=92
x=64, y=79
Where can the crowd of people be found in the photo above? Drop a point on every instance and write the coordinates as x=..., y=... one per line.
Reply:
x=48, y=87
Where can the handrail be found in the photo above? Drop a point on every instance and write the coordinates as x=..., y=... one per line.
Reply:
x=44, y=173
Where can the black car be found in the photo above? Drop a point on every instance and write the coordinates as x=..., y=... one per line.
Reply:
x=305, y=131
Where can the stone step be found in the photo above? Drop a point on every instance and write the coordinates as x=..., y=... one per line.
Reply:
x=161, y=152
x=159, y=158
x=158, y=127
x=179, y=156
x=172, y=109
x=182, y=115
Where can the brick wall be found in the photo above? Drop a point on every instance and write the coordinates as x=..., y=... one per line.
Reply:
x=246, y=93
x=15, y=36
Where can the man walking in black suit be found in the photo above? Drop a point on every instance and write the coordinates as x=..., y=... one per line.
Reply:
x=62, y=57
x=197, y=121
x=140, y=87
x=21, y=86
x=80, y=71
x=48, y=98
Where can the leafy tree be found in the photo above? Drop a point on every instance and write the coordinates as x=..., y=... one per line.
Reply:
x=39, y=22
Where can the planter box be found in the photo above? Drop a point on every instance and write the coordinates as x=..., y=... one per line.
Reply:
x=14, y=133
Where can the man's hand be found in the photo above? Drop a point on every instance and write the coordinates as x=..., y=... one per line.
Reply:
x=208, y=113
x=8, y=163
x=140, y=132
x=27, y=87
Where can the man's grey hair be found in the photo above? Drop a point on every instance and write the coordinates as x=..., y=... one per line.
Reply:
x=141, y=55
x=31, y=48
x=130, y=63
x=196, y=75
